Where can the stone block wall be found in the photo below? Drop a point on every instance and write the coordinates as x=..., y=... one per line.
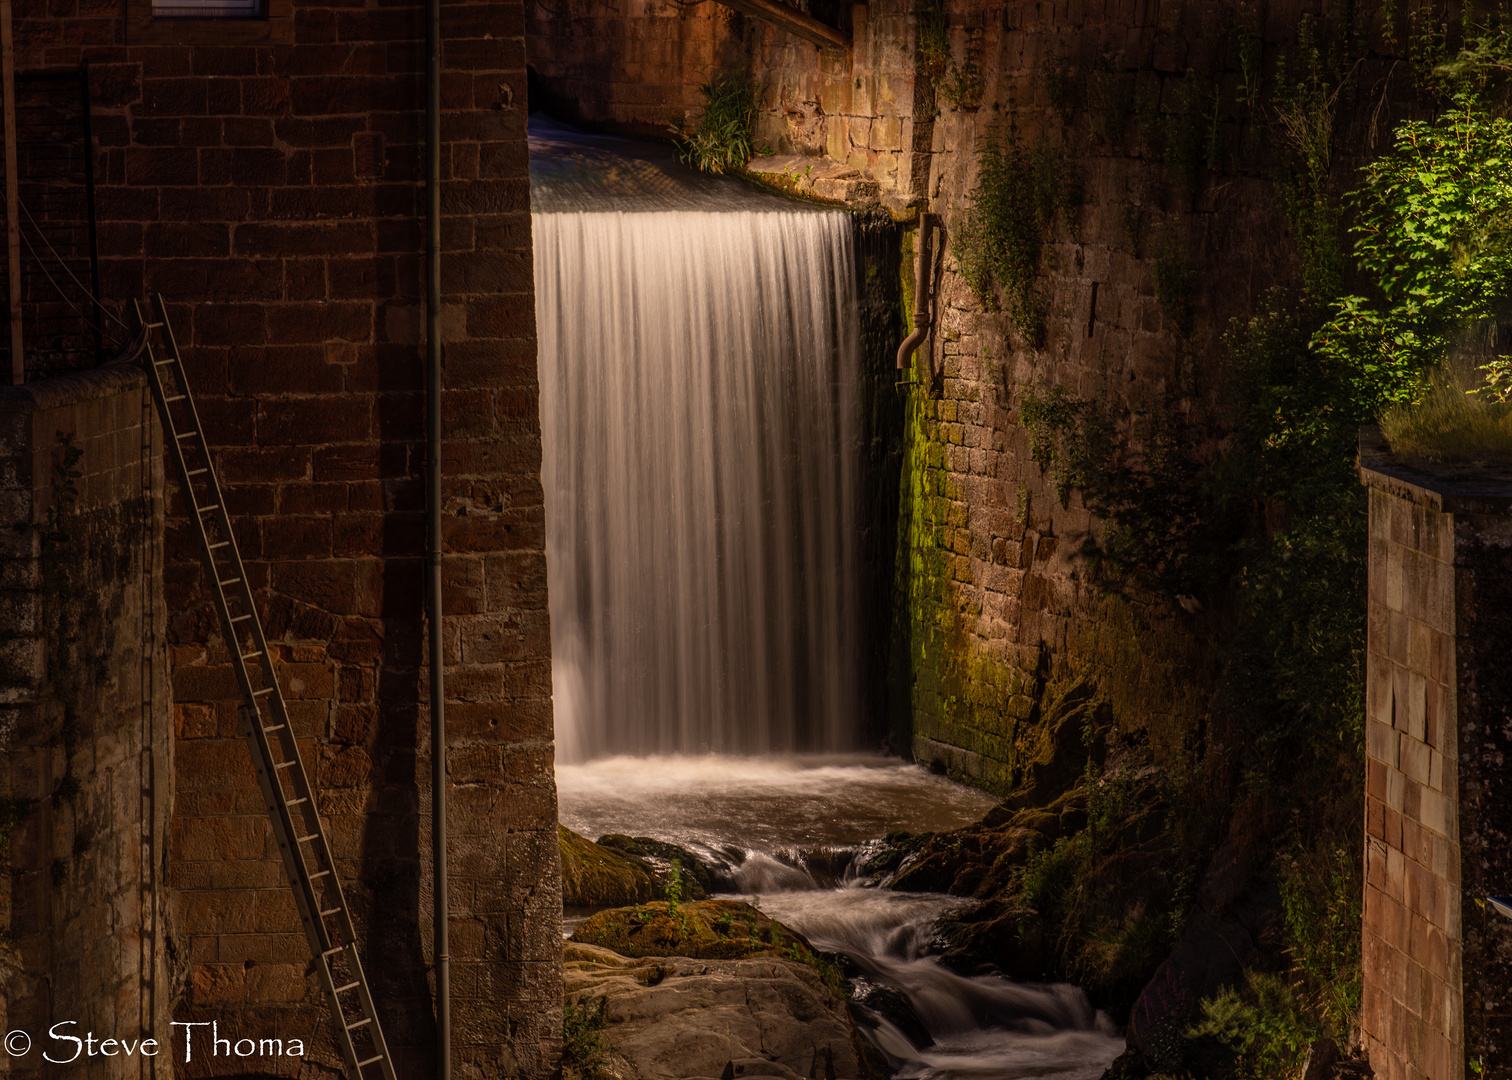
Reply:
x=84, y=719
x=994, y=600
x=1436, y=958
x=639, y=66
x=266, y=177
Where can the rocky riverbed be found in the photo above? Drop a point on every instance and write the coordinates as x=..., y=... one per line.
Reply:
x=844, y=975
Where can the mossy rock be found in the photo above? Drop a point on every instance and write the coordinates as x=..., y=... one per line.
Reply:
x=594, y=876
x=703, y=930
x=700, y=878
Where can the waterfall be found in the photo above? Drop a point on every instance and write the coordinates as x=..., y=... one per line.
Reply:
x=697, y=376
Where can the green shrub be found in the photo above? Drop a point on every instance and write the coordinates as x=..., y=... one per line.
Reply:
x=583, y=1046
x=1321, y=899
x=1266, y=1026
x=724, y=131
x=1434, y=228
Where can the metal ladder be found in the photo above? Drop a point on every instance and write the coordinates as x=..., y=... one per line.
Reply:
x=265, y=718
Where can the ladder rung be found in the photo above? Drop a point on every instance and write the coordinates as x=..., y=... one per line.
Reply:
x=285, y=741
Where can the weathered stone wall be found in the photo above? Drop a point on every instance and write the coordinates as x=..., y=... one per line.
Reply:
x=995, y=600
x=84, y=718
x=638, y=67
x=266, y=178
x=1436, y=957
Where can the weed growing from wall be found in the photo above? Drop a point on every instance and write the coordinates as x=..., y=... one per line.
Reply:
x=1246, y=45
x=724, y=130
x=1142, y=483
x=957, y=83
x=1020, y=189
x=1306, y=100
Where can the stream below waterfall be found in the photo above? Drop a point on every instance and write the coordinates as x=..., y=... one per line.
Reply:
x=790, y=832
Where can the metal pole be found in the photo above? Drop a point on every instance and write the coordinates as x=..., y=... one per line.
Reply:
x=12, y=194
x=442, y=945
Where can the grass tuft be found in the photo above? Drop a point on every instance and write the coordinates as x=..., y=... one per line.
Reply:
x=1449, y=424
x=723, y=135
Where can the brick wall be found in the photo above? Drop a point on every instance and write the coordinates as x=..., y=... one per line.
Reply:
x=271, y=190
x=83, y=715
x=1436, y=958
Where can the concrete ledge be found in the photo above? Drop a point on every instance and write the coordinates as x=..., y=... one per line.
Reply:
x=1463, y=489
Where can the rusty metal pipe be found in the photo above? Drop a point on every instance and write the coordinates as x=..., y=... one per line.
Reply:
x=923, y=267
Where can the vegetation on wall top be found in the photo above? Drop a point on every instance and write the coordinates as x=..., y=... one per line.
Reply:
x=724, y=131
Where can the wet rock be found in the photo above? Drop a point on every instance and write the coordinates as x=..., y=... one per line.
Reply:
x=885, y=856
x=595, y=876
x=678, y=1018
x=704, y=877
x=897, y=1010
x=1322, y=1058
x=982, y=859
x=1130, y=1065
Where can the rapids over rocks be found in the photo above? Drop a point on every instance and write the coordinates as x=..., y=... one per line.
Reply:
x=794, y=836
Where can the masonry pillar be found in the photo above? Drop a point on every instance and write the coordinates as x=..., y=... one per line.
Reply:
x=85, y=784
x=1438, y=803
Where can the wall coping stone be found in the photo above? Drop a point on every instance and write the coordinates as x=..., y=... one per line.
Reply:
x=1470, y=490
x=121, y=372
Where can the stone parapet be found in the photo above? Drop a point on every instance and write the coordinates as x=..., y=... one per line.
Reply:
x=1438, y=802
